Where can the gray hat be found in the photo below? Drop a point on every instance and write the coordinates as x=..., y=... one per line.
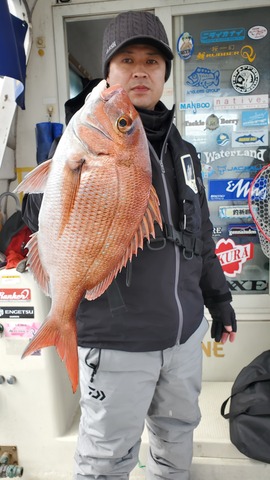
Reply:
x=135, y=27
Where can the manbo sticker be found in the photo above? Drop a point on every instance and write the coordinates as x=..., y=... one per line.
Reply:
x=185, y=46
x=245, y=78
x=257, y=32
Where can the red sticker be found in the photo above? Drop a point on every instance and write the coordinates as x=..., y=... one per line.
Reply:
x=232, y=256
x=15, y=294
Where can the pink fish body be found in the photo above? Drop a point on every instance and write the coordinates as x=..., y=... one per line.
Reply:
x=98, y=206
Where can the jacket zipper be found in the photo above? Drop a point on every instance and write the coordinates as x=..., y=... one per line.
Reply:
x=176, y=248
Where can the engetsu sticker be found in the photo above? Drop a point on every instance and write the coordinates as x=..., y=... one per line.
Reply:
x=189, y=174
x=233, y=256
x=185, y=46
x=257, y=32
x=245, y=78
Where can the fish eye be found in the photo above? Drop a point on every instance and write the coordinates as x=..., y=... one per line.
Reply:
x=124, y=123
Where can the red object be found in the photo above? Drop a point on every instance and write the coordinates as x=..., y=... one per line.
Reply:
x=16, y=250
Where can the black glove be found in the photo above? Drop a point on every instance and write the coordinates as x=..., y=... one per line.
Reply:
x=223, y=315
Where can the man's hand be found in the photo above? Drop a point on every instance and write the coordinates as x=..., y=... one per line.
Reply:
x=224, y=322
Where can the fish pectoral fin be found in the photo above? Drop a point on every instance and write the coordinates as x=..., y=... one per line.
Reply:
x=65, y=342
x=146, y=228
x=36, y=180
x=71, y=182
x=36, y=267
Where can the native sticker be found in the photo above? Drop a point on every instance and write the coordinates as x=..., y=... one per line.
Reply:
x=233, y=256
x=245, y=78
x=185, y=46
x=257, y=32
x=189, y=174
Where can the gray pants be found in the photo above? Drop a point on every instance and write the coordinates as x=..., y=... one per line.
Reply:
x=128, y=388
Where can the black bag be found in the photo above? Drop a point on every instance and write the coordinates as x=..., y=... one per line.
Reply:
x=249, y=413
x=12, y=225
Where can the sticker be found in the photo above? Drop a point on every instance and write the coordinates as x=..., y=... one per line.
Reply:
x=203, y=77
x=255, y=154
x=253, y=138
x=10, y=279
x=185, y=46
x=223, y=139
x=237, y=169
x=16, y=312
x=229, y=189
x=212, y=122
x=207, y=170
x=11, y=294
x=257, y=118
x=248, y=285
x=241, y=103
x=257, y=32
x=189, y=174
x=245, y=78
x=242, y=230
x=21, y=330
x=247, y=51
x=234, y=212
x=233, y=256
x=226, y=35
x=194, y=106
x=217, y=231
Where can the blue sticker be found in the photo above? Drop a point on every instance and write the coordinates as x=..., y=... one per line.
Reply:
x=223, y=139
x=229, y=189
x=226, y=35
x=242, y=229
x=255, y=118
x=185, y=46
x=203, y=77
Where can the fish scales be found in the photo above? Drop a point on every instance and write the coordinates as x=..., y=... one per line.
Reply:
x=98, y=205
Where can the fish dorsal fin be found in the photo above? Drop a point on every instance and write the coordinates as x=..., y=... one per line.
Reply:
x=35, y=265
x=36, y=180
x=146, y=228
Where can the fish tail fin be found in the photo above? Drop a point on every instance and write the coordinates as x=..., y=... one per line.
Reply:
x=65, y=343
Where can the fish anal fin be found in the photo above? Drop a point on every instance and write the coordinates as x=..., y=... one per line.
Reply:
x=36, y=180
x=36, y=267
x=65, y=342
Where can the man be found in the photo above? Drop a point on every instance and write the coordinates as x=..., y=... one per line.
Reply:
x=140, y=343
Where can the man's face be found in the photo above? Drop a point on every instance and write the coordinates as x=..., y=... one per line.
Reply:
x=140, y=69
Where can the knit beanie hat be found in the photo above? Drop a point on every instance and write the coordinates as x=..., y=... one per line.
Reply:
x=135, y=27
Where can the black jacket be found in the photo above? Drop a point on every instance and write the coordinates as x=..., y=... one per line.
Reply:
x=158, y=300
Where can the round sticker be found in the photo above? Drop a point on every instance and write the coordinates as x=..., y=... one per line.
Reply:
x=257, y=32
x=212, y=122
x=245, y=78
x=185, y=46
x=223, y=139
